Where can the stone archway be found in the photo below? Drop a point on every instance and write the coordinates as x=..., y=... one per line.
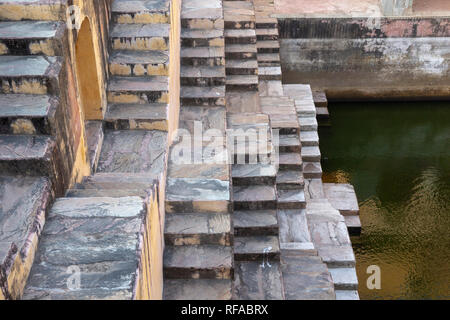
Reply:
x=87, y=73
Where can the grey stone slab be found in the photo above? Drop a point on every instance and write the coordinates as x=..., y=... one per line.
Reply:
x=25, y=147
x=241, y=102
x=83, y=294
x=290, y=179
x=256, y=248
x=28, y=66
x=353, y=225
x=347, y=295
x=136, y=112
x=197, y=289
x=298, y=248
x=312, y=170
x=197, y=189
x=254, y=282
x=138, y=84
x=249, y=174
x=26, y=105
x=337, y=256
x=270, y=87
x=255, y=222
x=210, y=117
x=342, y=197
x=202, y=92
x=140, y=30
x=311, y=154
x=344, y=278
x=141, y=6
x=291, y=199
x=28, y=29
x=309, y=138
x=110, y=193
x=293, y=226
x=289, y=143
x=153, y=57
x=290, y=161
x=254, y=197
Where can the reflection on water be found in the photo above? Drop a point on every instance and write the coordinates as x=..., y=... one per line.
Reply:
x=397, y=155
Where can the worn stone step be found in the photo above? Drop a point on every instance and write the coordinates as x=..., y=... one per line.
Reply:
x=240, y=36
x=103, y=236
x=291, y=199
x=233, y=20
x=253, y=174
x=308, y=123
x=289, y=143
x=254, y=197
x=241, y=67
x=312, y=170
x=354, y=226
x=268, y=59
x=242, y=82
x=139, y=63
x=25, y=201
x=311, y=154
x=265, y=22
x=240, y=51
x=138, y=178
x=54, y=10
x=231, y=5
x=138, y=89
x=140, y=36
x=110, y=193
x=256, y=248
x=137, y=117
x=145, y=12
x=31, y=37
x=270, y=88
x=270, y=73
x=27, y=114
x=94, y=140
x=263, y=34
x=197, y=229
x=344, y=278
x=268, y=46
x=202, y=76
x=309, y=138
x=197, y=289
x=203, y=95
x=347, y=295
x=202, y=38
x=290, y=161
x=30, y=74
x=294, y=232
x=198, y=262
x=255, y=223
x=203, y=56
x=342, y=197
x=290, y=179
x=197, y=14
x=286, y=124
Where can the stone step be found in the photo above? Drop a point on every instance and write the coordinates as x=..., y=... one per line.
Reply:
x=311, y=154
x=137, y=117
x=54, y=10
x=290, y=161
x=237, y=5
x=268, y=46
x=240, y=36
x=137, y=12
x=197, y=289
x=353, y=224
x=253, y=174
x=290, y=179
x=94, y=140
x=24, y=203
x=138, y=89
x=110, y=193
x=255, y=223
x=342, y=197
x=254, y=197
x=198, y=262
x=140, y=37
x=101, y=237
x=291, y=198
x=257, y=248
x=242, y=82
x=203, y=56
x=308, y=123
x=240, y=51
x=203, y=95
x=265, y=22
x=344, y=278
x=289, y=144
x=294, y=232
x=202, y=38
x=268, y=59
x=27, y=114
x=286, y=124
x=139, y=63
x=31, y=37
x=270, y=88
x=201, y=15
x=241, y=67
x=30, y=74
x=269, y=73
x=263, y=34
x=309, y=138
x=347, y=295
x=312, y=170
x=233, y=20
x=203, y=76
x=146, y=179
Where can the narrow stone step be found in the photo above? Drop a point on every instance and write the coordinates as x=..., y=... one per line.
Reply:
x=242, y=82
x=269, y=73
x=291, y=199
x=311, y=154
x=342, y=197
x=254, y=197
x=290, y=179
x=353, y=224
x=138, y=89
x=137, y=116
x=308, y=123
x=202, y=76
x=347, y=295
x=54, y=10
x=263, y=34
x=198, y=262
x=268, y=46
x=241, y=67
x=344, y=278
x=31, y=37
x=139, y=63
x=240, y=36
x=140, y=36
x=290, y=143
x=148, y=12
x=233, y=20
x=256, y=248
x=309, y=138
x=203, y=56
x=255, y=223
x=25, y=201
x=30, y=74
x=197, y=289
x=101, y=236
x=94, y=140
x=203, y=95
x=290, y=161
x=268, y=59
x=197, y=229
x=27, y=114
x=312, y=170
x=240, y=51
x=204, y=15
x=110, y=193
x=266, y=22
x=253, y=174
x=202, y=38
x=286, y=124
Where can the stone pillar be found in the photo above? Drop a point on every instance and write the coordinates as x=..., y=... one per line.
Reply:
x=396, y=7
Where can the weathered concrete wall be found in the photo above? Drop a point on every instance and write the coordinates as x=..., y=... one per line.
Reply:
x=368, y=58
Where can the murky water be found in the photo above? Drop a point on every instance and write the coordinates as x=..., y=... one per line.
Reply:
x=397, y=156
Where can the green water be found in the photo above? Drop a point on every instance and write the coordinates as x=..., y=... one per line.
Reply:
x=397, y=156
